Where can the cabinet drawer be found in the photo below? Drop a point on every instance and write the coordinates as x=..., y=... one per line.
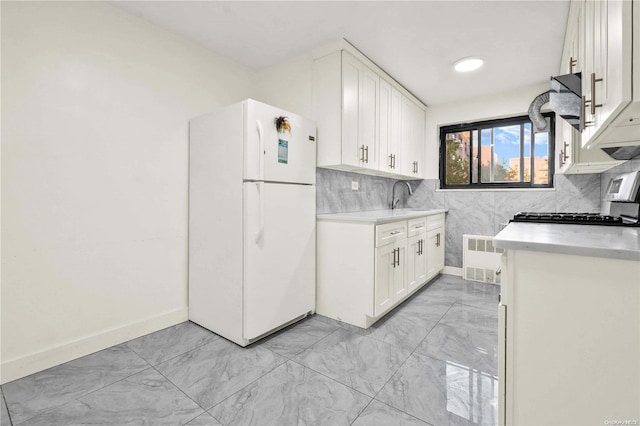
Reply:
x=435, y=221
x=417, y=226
x=390, y=232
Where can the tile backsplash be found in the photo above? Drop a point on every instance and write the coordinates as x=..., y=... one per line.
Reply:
x=469, y=212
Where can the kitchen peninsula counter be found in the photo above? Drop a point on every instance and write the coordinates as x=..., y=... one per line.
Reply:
x=569, y=324
x=614, y=242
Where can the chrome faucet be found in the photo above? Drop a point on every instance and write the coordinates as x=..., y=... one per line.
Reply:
x=395, y=202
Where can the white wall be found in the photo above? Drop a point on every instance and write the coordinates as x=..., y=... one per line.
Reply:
x=95, y=109
x=486, y=107
x=287, y=85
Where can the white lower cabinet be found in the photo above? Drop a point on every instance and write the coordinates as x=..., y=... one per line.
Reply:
x=569, y=340
x=416, y=262
x=435, y=245
x=417, y=254
x=364, y=269
x=435, y=251
x=389, y=277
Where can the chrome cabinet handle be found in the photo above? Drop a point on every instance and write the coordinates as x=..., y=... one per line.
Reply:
x=395, y=232
x=391, y=161
x=366, y=152
x=362, y=153
x=594, y=104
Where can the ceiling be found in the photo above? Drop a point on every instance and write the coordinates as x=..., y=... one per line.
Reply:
x=416, y=42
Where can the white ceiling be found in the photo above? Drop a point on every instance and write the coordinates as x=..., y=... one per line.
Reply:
x=416, y=42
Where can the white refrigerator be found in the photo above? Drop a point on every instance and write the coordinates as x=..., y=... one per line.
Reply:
x=251, y=220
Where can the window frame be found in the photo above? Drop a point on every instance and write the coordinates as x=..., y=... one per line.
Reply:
x=500, y=122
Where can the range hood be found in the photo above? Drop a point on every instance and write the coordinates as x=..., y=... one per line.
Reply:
x=565, y=98
x=622, y=152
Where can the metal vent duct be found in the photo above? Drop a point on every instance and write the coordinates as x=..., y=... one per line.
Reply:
x=540, y=124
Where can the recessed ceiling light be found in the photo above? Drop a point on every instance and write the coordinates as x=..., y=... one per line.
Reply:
x=467, y=64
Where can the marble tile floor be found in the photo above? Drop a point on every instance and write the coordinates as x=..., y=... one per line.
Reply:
x=431, y=361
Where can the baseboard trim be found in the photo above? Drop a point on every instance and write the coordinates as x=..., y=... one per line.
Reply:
x=32, y=363
x=452, y=270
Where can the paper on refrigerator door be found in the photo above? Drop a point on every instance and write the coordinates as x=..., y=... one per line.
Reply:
x=283, y=151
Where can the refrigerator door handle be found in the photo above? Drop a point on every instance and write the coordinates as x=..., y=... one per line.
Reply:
x=260, y=231
x=261, y=149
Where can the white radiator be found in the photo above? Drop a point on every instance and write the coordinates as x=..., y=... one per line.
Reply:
x=480, y=259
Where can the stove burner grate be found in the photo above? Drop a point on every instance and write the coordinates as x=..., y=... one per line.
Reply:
x=568, y=218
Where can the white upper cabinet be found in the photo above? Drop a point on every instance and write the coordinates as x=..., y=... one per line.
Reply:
x=612, y=109
x=352, y=153
x=389, y=127
x=359, y=114
x=571, y=157
x=412, y=135
x=366, y=121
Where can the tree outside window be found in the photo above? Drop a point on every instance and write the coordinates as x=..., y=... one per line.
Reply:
x=498, y=153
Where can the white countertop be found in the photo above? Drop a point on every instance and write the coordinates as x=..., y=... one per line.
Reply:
x=616, y=242
x=379, y=216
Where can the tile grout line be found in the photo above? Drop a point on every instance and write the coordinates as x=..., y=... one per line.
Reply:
x=248, y=384
x=77, y=398
x=176, y=356
x=405, y=361
x=332, y=379
x=185, y=394
x=166, y=378
x=4, y=401
x=361, y=411
x=408, y=414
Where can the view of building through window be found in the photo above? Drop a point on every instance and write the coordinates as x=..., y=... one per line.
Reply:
x=493, y=154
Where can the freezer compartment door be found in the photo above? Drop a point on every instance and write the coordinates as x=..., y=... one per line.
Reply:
x=279, y=255
x=286, y=156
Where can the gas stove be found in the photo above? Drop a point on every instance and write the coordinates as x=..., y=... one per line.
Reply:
x=571, y=218
x=623, y=193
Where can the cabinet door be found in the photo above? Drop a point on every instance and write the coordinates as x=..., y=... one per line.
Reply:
x=384, y=128
x=384, y=278
x=416, y=261
x=394, y=133
x=369, y=118
x=388, y=127
x=412, y=138
x=607, y=67
x=435, y=251
x=399, y=283
x=352, y=148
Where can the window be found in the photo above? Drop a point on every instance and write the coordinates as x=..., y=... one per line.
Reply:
x=497, y=154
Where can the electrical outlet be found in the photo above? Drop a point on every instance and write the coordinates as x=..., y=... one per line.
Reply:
x=355, y=185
